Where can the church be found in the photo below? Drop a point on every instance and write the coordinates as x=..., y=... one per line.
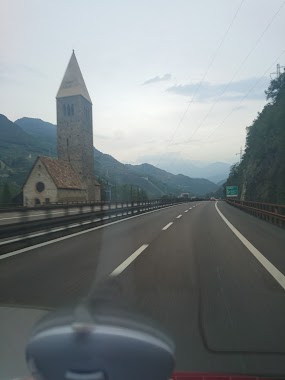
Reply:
x=70, y=178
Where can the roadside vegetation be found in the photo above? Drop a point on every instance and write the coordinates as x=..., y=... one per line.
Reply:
x=261, y=173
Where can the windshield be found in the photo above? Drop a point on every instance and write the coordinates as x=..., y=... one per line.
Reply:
x=145, y=141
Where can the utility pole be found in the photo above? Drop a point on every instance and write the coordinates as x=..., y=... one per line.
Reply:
x=240, y=154
x=278, y=70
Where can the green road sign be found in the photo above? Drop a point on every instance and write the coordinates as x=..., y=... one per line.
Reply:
x=232, y=191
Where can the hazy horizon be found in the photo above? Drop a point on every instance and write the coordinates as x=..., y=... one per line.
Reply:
x=167, y=80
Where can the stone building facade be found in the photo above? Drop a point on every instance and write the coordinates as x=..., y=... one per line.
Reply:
x=51, y=181
x=74, y=147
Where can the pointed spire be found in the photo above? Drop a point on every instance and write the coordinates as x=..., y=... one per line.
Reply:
x=73, y=82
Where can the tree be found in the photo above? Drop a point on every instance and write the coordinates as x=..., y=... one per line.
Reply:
x=275, y=87
x=6, y=195
x=261, y=172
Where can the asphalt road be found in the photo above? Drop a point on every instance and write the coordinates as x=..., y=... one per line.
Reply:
x=194, y=277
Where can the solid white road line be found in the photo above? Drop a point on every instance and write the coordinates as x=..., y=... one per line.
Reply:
x=275, y=273
x=179, y=216
x=128, y=261
x=167, y=226
x=6, y=255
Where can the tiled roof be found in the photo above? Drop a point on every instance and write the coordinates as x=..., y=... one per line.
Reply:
x=62, y=173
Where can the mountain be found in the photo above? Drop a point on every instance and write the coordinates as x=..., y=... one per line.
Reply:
x=11, y=133
x=214, y=172
x=176, y=183
x=37, y=128
x=261, y=173
x=41, y=130
x=24, y=140
x=220, y=183
x=112, y=172
x=18, y=150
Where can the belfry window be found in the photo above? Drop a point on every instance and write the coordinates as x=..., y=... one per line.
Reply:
x=72, y=109
x=64, y=110
x=68, y=110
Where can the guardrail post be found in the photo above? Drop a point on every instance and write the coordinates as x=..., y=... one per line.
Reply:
x=81, y=212
x=48, y=216
x=24, y=215
x=25, y=218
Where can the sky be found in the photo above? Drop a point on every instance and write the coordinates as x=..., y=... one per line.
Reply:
x=170, y=81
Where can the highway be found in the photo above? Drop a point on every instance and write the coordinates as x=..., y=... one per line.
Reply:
x=206, y=272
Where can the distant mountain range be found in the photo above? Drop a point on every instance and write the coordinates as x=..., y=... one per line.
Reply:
x=21, y=142
x=215, y=172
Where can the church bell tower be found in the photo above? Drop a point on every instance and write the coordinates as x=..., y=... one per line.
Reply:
x=74, y=125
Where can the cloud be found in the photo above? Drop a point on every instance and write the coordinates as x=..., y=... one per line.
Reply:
x=102, y=137
x=158, y=78
x=209, y=91
x=240, y=108
x=14, y=72
x=117, y=134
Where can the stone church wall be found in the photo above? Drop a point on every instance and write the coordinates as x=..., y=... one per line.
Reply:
x=68, y=195
x=39, y=188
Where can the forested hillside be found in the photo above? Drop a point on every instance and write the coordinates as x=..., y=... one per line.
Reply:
x=261, y=173
x=21, y=142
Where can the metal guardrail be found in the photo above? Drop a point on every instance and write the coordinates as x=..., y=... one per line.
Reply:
x=56, y=205
x=26, y=233
x=67, y=205
x=105, y=212
x=273, y=213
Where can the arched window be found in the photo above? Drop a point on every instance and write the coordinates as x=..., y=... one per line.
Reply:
x=64, y=110
x=72, y=109
x=68, y=110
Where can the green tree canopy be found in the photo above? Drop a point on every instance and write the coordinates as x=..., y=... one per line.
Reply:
x=261, y=173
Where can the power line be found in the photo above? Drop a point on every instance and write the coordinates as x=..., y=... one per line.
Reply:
x=237, y=71
x=246, y=95
x=242, y=99
x=235, y=74
x=204, y=76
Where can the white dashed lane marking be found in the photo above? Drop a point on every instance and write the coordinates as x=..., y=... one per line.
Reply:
x=167, y=226
x=128, y=261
